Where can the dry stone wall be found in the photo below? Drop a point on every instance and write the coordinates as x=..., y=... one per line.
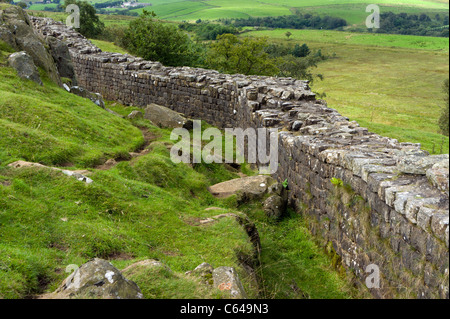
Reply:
x=370, y=199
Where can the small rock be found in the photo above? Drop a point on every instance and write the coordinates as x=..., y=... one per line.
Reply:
x=226, y=279
x=114, y=113
x=297, y=125
x=135, y=114
x=274, y=206
x=204, y=272
x=94, y=97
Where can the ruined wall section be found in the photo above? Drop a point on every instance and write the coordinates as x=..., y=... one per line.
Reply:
x=370, y=199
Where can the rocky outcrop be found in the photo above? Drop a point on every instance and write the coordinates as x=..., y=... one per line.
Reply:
x=61, y=56
x=96, y=279
x=25, y=67
x=17, y=31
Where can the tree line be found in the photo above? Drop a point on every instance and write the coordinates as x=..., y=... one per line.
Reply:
x=412, y=24
x=297, y=21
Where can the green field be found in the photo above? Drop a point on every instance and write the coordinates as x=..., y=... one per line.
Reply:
x=337, y=38
x=391, y=84
x=351, y=10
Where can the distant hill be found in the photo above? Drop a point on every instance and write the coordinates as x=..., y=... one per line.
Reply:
x=191, y=10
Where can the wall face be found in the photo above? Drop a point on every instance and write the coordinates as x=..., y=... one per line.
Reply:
x=388, y=204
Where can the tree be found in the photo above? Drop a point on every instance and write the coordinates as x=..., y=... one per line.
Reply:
x=90, y=24
x=444, y=119
x=22, y=4
x=157, y=41
x=231, y=54
x=301, y=51
x=288, y=34
x=299, y=68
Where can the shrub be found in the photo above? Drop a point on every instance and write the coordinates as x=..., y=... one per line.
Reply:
x=443, y=120
x=157, y=41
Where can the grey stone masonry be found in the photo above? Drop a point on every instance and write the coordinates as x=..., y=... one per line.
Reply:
x=392, y=207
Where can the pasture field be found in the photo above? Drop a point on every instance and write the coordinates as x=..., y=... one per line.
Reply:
x=393, y=88
x=328, y=37
x=351, y=10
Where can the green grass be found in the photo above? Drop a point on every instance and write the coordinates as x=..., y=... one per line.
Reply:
x=106, y=46
x=138, y=209
x=293, y=266
x=329, y=38
x=49, y=125
x=145, y=208
x=391, y=84
x=175, y=10
x=39, y=6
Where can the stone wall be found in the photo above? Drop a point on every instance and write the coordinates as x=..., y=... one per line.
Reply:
x=370, y=199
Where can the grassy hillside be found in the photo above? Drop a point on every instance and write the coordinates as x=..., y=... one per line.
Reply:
x=146, y=207
x=391, y=84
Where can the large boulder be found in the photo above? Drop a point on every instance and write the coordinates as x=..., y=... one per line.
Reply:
x=248, y=188
x=97, y=279
x=25, y=67
x=165, y=117
x=17, y=31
